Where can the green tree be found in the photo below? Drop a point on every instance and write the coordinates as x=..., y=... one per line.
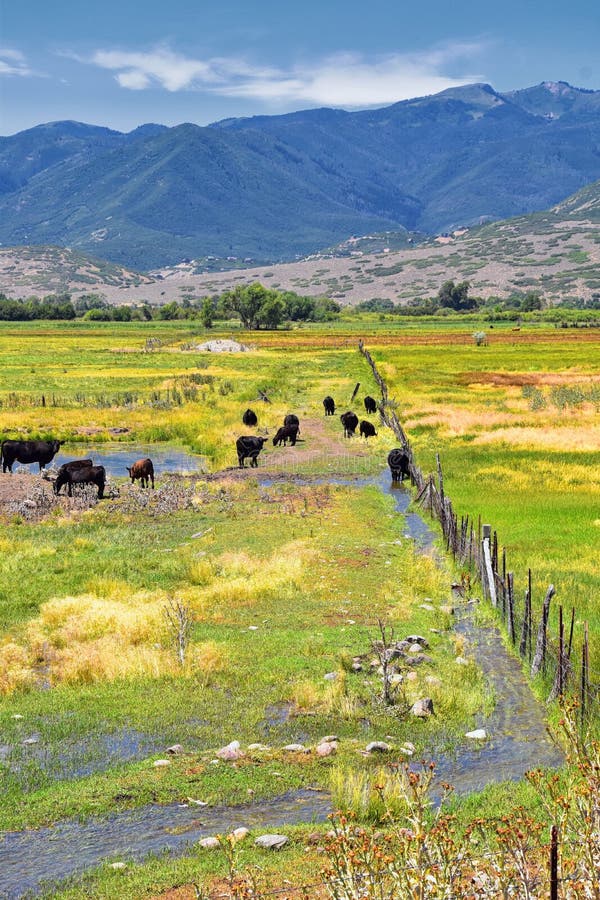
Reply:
x=207, y=312
x=456, y=296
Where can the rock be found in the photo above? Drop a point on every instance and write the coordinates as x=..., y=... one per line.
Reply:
x=417, y=659
x=417, y=639
x=252, y=627
x=329, y=738
x=408, y=748
x=209, y=843
x=161, y=763
x=17, y=716
x=258, y=747
x=295, y=748
x=378, y=747
x=395, y=678
x=118, y=865
x=415, y=648
x=222, y=345
x=331, y=676
x=238, y=834
x=461, y=661
x=231, y=752
x=433, y=680
x=327, y=748
x=478, y=735
x=411, y=676
x=271, y=841
x=34, y=739
x=447, y=610
x=423, y=708
x=428, y=607
x=357, y=667
x=175, y=750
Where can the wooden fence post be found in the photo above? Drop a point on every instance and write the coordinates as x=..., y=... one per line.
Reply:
x=540, y=646
x=585, y=665
x=490, y=581
x=511, y=607
x=525, y=636
x=554, y=864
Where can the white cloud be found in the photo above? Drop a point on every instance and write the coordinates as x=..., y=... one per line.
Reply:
x=12, y=62
x=345, y=79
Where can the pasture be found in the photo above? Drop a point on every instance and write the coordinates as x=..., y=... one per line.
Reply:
x=284, y=571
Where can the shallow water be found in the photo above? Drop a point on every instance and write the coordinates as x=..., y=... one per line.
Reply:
x=30, y=858
x=517, y=741
x=115, y=457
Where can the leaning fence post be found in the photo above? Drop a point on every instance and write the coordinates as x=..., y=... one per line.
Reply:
x=525, y=638
x=511, y=607
x=585, y=663
x=540, y=646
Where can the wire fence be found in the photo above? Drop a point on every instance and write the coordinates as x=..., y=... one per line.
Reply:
x=558, y=659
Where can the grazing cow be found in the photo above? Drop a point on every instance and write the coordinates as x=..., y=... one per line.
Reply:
x=285, y=434
x=291, y=420
x=249, y=418
x=398, y=461
x=41, y=452
x=349, y=421
x=329, y=404
x=144, y=470
x=370, y=405
x=366, y=429
x=90, y=475
x=248, y=446
x=70, y=466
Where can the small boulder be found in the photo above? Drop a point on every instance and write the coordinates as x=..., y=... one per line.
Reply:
x=295, y=748
x=161, y=763
x=271, y=841
x=209, y=843
x=231, y=752
x=378, y=747
x=417, y=639
x=428, y=607
x=175, y=750
x=423, y=708
x=330, y=676
x=238, y=834
x=327, y=748
x=118, y=865
x=478, y=735
x=433, y=680
x=415, y=648
x=258, y=747
x=411, y=676
x=447, y=610
x=329, y=738
x=461, y=661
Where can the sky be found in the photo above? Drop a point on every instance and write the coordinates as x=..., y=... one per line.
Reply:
x=122, y=63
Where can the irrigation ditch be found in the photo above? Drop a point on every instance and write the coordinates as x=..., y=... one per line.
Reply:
x=475, y=545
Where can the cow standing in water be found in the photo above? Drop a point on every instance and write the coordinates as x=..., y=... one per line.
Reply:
x=144, y=470
x=399, y=463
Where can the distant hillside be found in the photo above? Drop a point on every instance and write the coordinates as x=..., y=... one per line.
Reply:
x=275, y=187
x=556, y=252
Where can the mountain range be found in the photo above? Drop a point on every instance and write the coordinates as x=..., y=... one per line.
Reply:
x=271, y=188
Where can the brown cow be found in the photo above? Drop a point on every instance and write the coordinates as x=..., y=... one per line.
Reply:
x=144, y=470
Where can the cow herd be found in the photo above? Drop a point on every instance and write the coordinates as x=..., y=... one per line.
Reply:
x=83, y=471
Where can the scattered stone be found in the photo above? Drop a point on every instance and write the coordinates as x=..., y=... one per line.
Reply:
x=415, y=648
x=238, y=834
x=161, y=763
x=428, y=607
x=423, y=708
x=296, y=748
x=448, y=610
x=252, y=627
x=196, y=802
x=222, y=345
x=209, y=843
x=175, y=750
x=433, y=680
x=357, y=667
x=271, y=841
x=378, y=747
x=231, y=752
x=417, y=639
x=326, y=748
x=408, y=748
x=411, y=676
x=258, y=747
x=329, y=738
x=478, y=735
x=461, y=661
x=31, y=740
x=17, y=716
x=330, y=676
x=118, y=865
x=417, y=659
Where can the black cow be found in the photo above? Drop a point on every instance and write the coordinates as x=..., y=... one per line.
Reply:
x=71, y=466
x=286, y=433
x=349, y=421
x=291, y=420
x=41, y=452
x=249, y=418
x=366, y=429
x=399, y=463
x=90, y=475
x=249, y=446
x=370, y=405
x=329, y=404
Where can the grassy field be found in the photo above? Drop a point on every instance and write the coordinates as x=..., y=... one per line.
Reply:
x=285, y=581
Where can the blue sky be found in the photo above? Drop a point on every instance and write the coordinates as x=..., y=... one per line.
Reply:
x=121, y=64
